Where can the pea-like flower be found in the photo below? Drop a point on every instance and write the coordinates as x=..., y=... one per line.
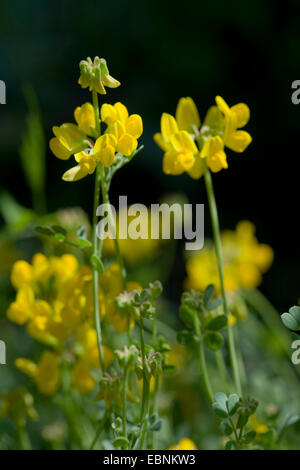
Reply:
x=188, y=145
x=245, y=260
x=121, y=135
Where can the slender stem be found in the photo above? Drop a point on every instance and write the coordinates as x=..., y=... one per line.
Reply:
x=146, y=389
x=202, y=361
x=23, y=438
x=124, y=400
x=218, y=248
x=95, y=239
x=99, y=430
x=222, y=369
x=113, y=227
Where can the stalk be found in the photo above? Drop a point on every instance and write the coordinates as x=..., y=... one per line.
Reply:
x=202, y=361
x=95, y=240
x=218, y=247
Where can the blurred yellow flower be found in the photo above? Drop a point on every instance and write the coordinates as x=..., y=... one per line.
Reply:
x=257, y=425
x=245, y=260
x=18, y=404
x=184, y=444
x=46, y=374
x=53, y=296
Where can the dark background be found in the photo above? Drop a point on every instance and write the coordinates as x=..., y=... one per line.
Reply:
x=162, y=50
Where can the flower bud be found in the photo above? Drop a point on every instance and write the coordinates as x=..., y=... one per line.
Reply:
x=95, y=75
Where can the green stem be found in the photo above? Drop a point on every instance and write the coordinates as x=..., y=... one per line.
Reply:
x=202, y=361
x=99, y=430
x=95, y=239
x=23, y=438
x=218, y=247
x=124, y=401
x=222, y=369
x=146, y=389
x=113, y=227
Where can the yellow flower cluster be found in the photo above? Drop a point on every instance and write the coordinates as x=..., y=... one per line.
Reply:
x=121, y=135
x=245, y=260
x=54, y=301
x=220, y=128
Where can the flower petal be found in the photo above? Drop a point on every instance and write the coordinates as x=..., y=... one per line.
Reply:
x=126, y=144
x=187, y=114
x=59, y=150
x=75, y=173
x=168, y=126
x=238, y=141
x=182, y=142
x=242, y=114
x=134, y=126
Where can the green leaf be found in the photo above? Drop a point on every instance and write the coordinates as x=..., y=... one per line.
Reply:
x=209, y=292
x=44, y=230
x=220, y=405
x=59, y=229
x=187, y=315
x=225, y=428
x=289, y=321
x=83, y=243
x=33, y=151
x=121, y=442
x=248, y=437
x=156, y=426
x=213, y=341
x=216, y=323
x=214, y=304
x=232, y=403
x=97, y=264
x=186, y=338
x=169, y=369
x=230, y=445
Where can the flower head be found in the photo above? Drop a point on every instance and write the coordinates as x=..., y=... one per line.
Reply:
x=80, y=139
x=188, y=145
x=245, y=260
x=95, y=75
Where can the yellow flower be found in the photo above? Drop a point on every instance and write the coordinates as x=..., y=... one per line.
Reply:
x=215, y=156
x=53, y=299
x=221, y=127
x=95, y=75
x=181, y=153
x=257, y=425
x=46, y=374
x=85, y=118
x=245, y=260
x=126, y=129
x=18, y=404
x=68, y=140
x=105, y=148
x=236, y=117
x=184, y=444
x=87, y=166
x=121, y=136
